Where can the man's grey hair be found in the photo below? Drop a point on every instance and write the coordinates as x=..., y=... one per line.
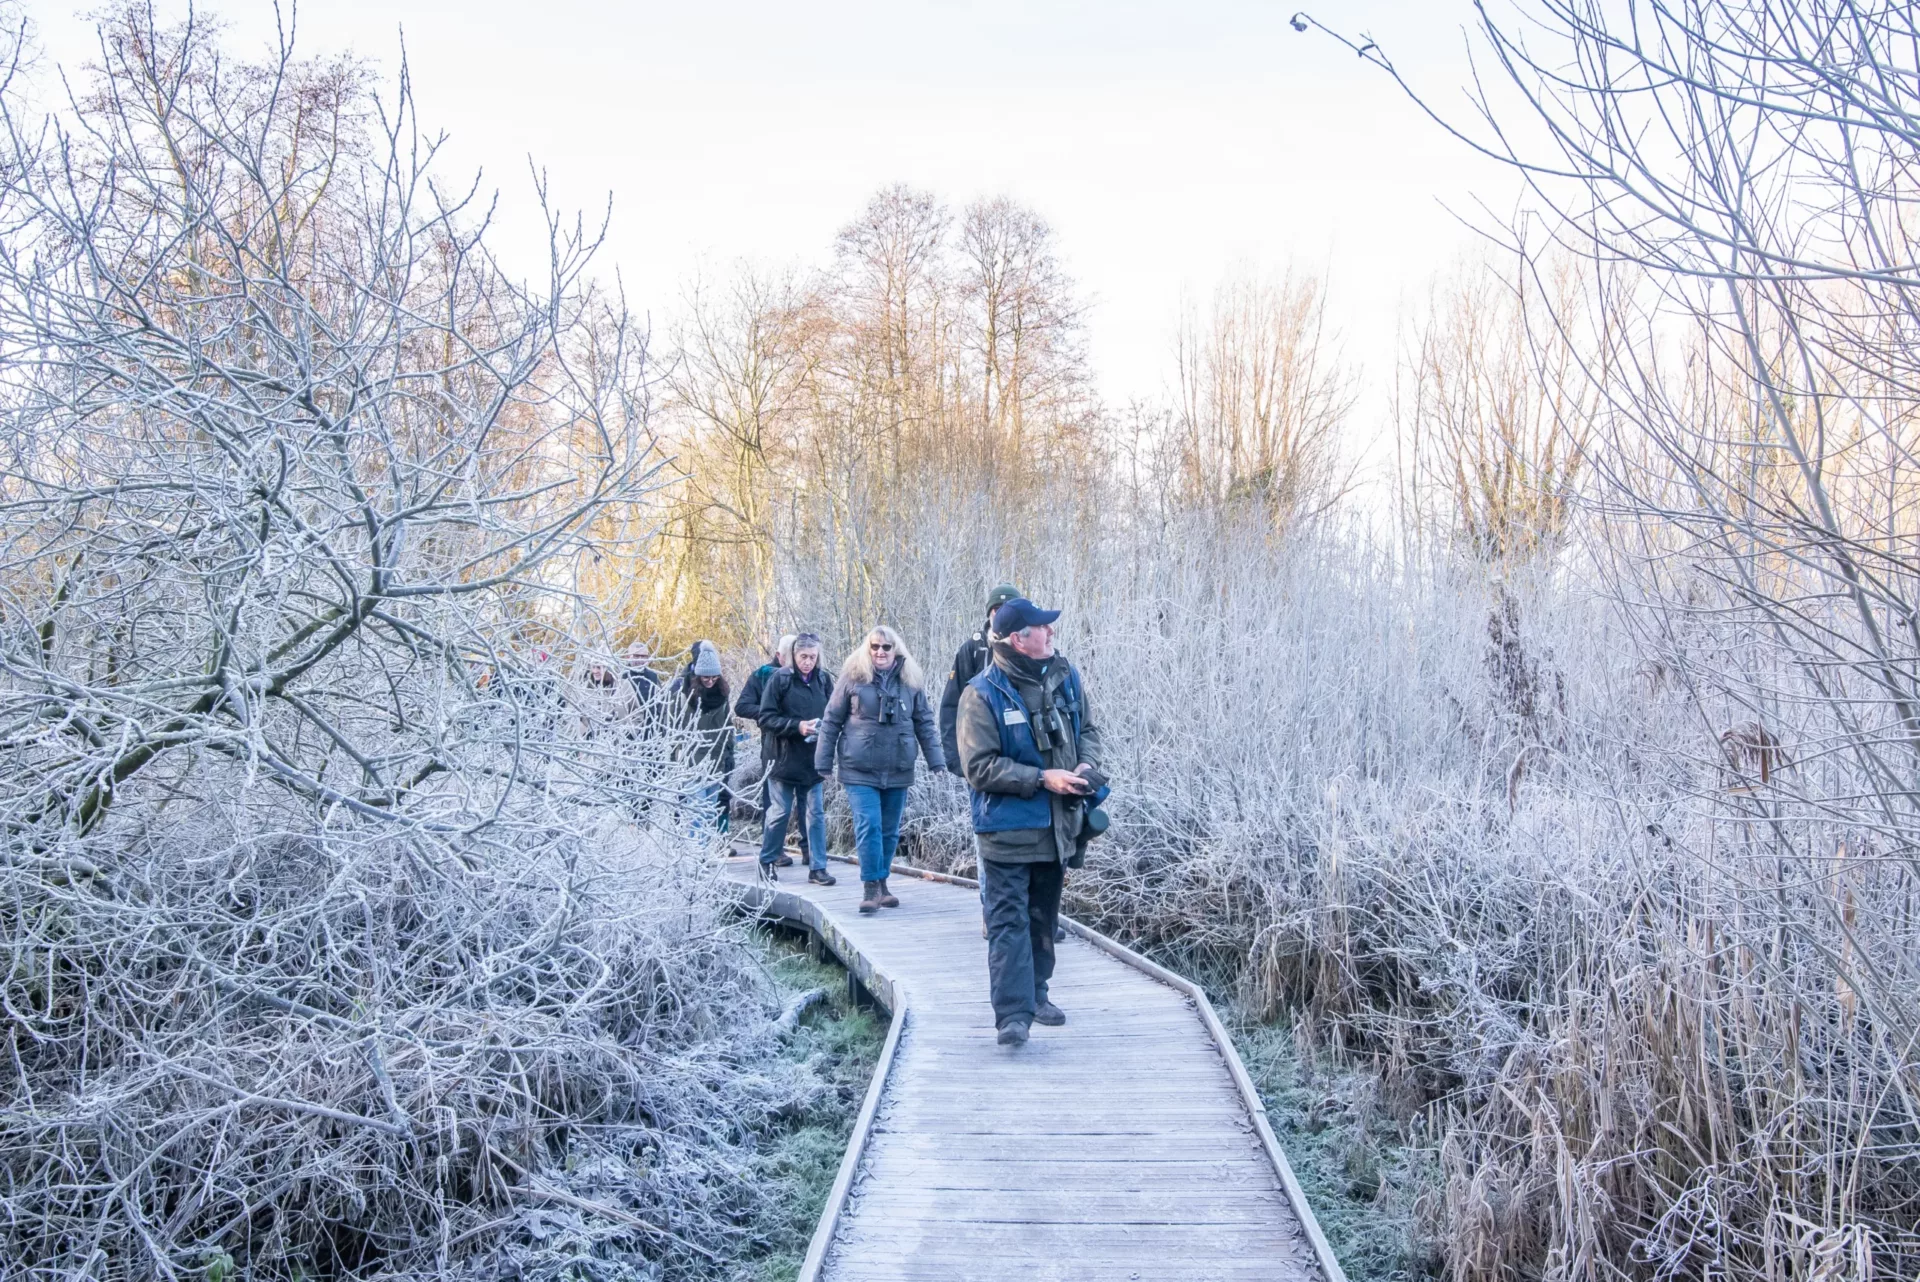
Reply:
x=783, y=651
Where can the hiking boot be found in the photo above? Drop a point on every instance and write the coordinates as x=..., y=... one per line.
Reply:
x=870, y=898
x=783, y=861
x=820, y=876
x=767, y=873
x=1049, y=1014
x=1013, y=1033
x=886, y=896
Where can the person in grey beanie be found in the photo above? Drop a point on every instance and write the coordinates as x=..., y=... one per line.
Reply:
x=703, y=705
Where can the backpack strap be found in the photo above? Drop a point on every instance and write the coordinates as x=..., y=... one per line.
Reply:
x=772, y=691
x=1070, y=690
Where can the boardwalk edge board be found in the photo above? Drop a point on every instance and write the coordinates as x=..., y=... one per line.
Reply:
x=894, y=997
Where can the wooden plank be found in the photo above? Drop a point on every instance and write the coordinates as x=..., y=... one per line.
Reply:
x=1005, y=1266
x=1091, y=1205
x=1144, y=1245
x=1057, y=1172
x=1101, y=1146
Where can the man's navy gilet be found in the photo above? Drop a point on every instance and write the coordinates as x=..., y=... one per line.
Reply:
x=1004, y=811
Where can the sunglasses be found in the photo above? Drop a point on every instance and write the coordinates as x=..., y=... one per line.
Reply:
x=878, y=646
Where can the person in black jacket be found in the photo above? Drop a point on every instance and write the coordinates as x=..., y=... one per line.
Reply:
x=791, y=705
x=968, y=662
x=747, y=708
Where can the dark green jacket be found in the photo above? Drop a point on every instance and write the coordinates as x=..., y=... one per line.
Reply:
x=988, y=771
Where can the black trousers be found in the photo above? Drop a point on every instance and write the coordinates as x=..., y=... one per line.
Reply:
x=1023, y=905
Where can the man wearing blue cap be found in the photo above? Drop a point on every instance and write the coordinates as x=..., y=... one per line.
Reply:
x=1031, y=752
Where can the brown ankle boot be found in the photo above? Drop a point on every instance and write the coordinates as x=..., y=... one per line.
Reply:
x=870, y=897
x=887, y=899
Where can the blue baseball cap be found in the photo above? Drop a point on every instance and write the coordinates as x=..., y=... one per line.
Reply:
x=1020, y=613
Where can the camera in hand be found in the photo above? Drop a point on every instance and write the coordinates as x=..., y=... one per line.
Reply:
x=1093, y=819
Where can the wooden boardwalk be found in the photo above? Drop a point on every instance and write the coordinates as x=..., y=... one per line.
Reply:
x=1126, y=1145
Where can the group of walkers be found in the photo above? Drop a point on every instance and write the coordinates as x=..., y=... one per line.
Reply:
x=1014, y=722
x=869, y=726
x=633, y=701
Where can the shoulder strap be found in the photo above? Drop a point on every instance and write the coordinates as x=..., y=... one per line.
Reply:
x=1071, y=689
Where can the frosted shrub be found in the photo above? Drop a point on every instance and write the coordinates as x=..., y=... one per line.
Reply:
x=347, y=930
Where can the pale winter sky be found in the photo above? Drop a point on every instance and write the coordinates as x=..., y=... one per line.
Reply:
x=1164, y=141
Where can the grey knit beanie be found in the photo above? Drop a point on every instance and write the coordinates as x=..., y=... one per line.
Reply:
x=706, y=660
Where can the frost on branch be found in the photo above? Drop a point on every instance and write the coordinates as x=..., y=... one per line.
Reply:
x=332, y=941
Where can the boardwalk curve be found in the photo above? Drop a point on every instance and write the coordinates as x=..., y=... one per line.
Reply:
x=1128, y=1145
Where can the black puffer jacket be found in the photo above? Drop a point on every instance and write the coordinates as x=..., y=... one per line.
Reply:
x=873, y=726
x=786, y=701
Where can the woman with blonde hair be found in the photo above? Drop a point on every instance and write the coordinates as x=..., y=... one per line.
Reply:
x=876, y=718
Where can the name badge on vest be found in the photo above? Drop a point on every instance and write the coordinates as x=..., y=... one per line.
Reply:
x=1014, y=717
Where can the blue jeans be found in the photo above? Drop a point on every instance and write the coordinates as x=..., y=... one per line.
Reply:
x=876, y=827
x=783, y=799
x=706, y=808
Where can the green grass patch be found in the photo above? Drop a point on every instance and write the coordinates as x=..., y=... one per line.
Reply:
x=1363, y=1172
x=800, y=1151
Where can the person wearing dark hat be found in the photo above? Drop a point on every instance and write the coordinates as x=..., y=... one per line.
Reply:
x=968, y=660
x=1031, y=750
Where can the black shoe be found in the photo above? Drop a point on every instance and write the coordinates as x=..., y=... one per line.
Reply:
x=1049, y=1014
x=1013, y=1033
x=767, y=873
x=1059, y=933
x=820, y=876
x=783, y=861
